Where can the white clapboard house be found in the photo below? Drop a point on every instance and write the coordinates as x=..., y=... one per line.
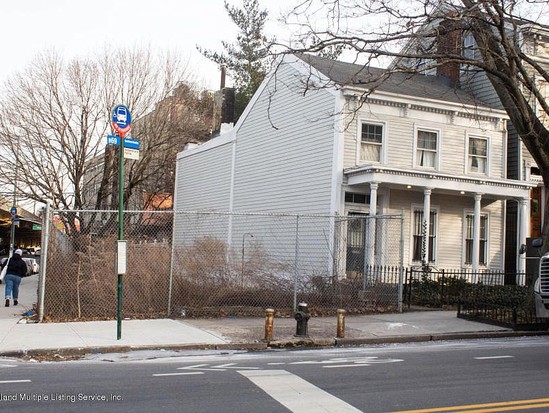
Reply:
x=327, y=137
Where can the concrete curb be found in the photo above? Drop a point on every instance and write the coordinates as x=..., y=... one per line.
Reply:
x=79, y=352
x=437, y=337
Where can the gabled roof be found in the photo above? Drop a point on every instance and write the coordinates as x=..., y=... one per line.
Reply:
x=373, y=78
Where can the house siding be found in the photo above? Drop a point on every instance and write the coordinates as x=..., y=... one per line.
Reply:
x=212, y=190
x=400, y=135
x=283, y=165
x=284, y=150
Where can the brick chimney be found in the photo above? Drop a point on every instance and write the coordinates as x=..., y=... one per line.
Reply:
x=449, y=42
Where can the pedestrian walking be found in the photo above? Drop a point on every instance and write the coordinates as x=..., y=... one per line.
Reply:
x=17, y=269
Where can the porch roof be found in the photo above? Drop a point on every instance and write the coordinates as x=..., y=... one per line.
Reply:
x=442, y=182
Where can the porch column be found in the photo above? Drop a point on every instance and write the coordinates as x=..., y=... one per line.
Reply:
x=426, y=224
x=476, y=237
x=523, y=221
x=371, y=228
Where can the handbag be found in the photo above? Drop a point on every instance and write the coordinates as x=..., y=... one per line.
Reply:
x=4, y=270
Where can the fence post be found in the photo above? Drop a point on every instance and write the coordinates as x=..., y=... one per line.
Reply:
x=401, y=270
x=170, y=281
x=296, y=265
x=443, y=281
x=45, y=241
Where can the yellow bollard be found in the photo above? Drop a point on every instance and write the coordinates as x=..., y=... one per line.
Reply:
x=340, y=323
x=269, y=318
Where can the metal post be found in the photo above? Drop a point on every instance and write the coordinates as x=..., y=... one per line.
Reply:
x=269, y=318
x=45, y=241
x=120, y=233
x=242, y=269
x=340, y=323
x=296, y=265
x=401, y=269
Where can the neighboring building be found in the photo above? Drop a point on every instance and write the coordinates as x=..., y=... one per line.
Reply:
x=182, y=117
x=534, y=42
x=360, y=142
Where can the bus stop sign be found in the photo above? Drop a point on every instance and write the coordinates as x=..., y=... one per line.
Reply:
x=121, y=120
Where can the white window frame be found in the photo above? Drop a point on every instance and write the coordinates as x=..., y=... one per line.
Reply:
x=383, y=145
x=435, y=209
x=486, y=215
x=488, y=152
x=417, y=129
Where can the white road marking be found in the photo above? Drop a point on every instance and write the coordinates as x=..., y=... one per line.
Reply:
x=296, y=394
x=7, y=365
x=233, y=366
x=220, y=367
x=276, y=364
x=356, y=362
x=178, y=374
x=14, y=381
x=494, y=357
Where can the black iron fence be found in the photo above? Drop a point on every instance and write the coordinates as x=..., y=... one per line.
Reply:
x=481, y=296
x=437, y=288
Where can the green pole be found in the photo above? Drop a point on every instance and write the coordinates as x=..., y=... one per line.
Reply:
x=120, y=232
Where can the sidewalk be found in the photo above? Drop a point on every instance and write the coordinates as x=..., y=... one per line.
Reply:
x=78, y=338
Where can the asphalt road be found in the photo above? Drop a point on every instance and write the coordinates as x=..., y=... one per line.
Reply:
x=475, y=375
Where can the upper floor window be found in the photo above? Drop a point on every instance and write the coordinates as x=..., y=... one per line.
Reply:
x=427, y=148
x=478, y=155
x=371, y=142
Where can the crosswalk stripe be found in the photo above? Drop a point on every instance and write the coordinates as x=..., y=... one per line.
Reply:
x=14, y=381
x=493, y=357
x=297, y=394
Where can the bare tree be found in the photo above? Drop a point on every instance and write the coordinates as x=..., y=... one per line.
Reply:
x=55, y=116
x=510, y=50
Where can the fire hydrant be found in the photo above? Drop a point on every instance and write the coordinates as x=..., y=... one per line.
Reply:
x=302, y=317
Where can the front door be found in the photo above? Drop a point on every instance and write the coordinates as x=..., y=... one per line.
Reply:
x=356, y=233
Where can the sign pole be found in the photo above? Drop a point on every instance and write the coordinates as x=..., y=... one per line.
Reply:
x=120, y=234
x=121, y=123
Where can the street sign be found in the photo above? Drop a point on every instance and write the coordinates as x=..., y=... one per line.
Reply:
x=36, y=227
x=13, y=210
x=121, y=120
x=130, y=153
x=132, y=143
x=113, y=140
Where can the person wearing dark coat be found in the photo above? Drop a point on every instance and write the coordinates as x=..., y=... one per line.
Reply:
x=17, y=269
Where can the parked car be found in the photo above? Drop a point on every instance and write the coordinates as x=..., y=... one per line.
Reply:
x=32, y=265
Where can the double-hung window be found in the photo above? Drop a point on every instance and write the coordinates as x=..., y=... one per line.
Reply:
x=427, y=148
x=371, y=142
x=478, y=155
x=483, y=239
x=418, y=253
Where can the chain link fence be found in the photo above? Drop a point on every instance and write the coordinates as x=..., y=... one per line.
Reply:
x=202, y=264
